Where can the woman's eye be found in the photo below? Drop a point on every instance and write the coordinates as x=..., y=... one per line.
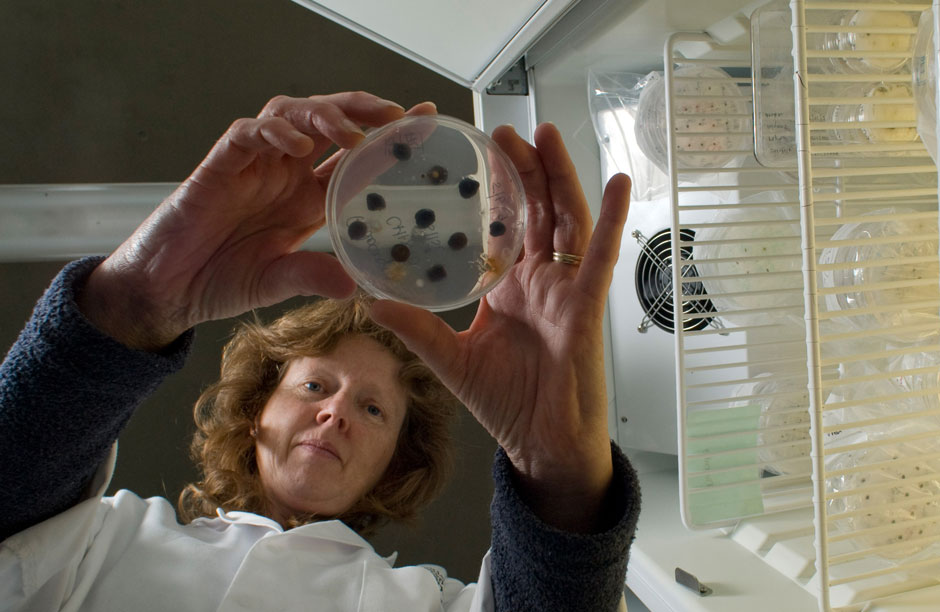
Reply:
x=374, y=410
x=313, y=386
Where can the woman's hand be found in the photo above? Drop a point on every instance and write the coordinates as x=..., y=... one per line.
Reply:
x=530, y=367
x=226, y=240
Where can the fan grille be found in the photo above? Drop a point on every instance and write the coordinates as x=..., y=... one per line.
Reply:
x=654, y=284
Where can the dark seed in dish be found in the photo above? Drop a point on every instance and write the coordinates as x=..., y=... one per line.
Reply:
x=468, y=187
x=357, y=230
x=424, y=218
x=375, y=201
x=401, y=151
x=436, y=273
x=457, y=241
x=401, y=252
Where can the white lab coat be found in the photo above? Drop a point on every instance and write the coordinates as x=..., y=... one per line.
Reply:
x=127, y=554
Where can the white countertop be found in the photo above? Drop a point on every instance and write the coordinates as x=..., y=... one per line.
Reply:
x=739, y=579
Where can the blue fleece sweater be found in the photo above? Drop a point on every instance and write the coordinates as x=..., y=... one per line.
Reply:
x=67, y=391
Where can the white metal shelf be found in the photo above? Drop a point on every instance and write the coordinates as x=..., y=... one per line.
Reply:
x=817, y=437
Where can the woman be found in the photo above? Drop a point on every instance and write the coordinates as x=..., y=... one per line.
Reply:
x=384, y=455
x=529, y=368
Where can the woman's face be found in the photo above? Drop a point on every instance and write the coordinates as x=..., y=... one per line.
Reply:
x=329, y=430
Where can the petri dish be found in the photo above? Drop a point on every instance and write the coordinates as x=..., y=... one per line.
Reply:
x=866, y=48
x=772, y=74
x=870, y=278
x=426, y=210
x=880, y=456
x=712, y=120
x=749, y=263
x=925, y=82
x=783, y=438
x=890, y=505
x=892, y=103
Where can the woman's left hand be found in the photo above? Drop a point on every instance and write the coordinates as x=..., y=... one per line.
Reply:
x=530, y=367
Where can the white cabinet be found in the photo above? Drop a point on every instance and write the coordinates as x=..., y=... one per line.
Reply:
x=470, y=42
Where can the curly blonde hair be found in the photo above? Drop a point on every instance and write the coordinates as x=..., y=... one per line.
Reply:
x=253, y=363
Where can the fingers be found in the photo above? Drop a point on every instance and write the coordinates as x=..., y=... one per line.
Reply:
x=539, y=217
x=558, y=216
x=246, y=138
x=325, y=169
x=304, y=273
x=572, y=217
x=301, y=127
x=337, y=117
x=422, y=108
x=596, y=270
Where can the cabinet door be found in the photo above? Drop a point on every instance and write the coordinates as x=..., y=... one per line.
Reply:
x=471, y=42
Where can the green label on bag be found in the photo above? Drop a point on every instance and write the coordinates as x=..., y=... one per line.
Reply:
x=722, y=464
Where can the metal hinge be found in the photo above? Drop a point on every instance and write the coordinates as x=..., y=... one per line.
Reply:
x=513, y=82
x=691, y=582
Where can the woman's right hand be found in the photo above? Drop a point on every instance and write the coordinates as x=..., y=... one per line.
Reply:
x=226, y=240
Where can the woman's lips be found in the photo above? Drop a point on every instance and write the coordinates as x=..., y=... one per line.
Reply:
x=322, y=447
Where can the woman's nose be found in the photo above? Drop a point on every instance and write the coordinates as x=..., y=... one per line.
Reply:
x=336, y=410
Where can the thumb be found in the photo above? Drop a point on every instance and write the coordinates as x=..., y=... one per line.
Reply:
x=305, y=273
x=425, y=334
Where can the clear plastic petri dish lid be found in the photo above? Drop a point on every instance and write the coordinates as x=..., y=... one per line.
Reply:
x=874, y=40
x=886, y=491
x=750, y=266
x=426, y=210
x=877, y=287
x=772, y=74
x=925, y=82
x=783, y=438
x=891, y=103
x=888, y=117
x=651, y=121
x=712, y=120
x=880, y=429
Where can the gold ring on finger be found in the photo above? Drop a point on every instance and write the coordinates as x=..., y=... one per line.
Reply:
x=567, y=258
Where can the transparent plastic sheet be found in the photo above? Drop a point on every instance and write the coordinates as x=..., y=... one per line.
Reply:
x=883, y=456
x=613, y=98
